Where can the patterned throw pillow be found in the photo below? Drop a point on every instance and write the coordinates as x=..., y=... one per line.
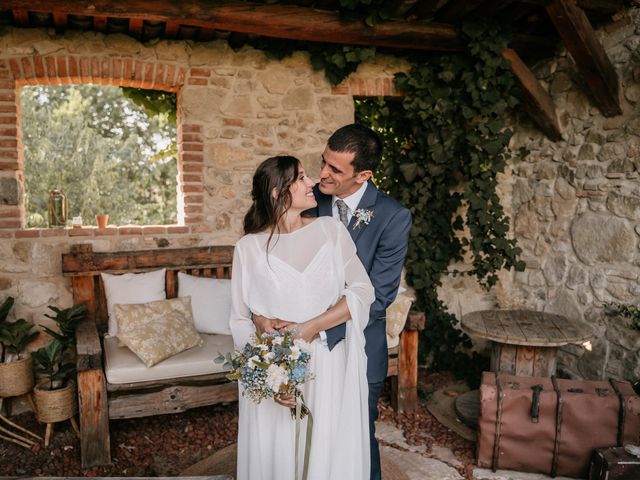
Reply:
x=157, y=330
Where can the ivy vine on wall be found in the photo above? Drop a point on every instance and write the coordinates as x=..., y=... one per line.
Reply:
x=445, y=143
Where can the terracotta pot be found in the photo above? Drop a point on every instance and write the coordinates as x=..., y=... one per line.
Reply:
x=55, y=405
x=16, y=378
x=102, y=220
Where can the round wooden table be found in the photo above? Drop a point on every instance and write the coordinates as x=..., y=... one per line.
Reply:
x=525, y=342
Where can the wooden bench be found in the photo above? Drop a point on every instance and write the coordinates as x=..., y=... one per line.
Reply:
x=100, y=401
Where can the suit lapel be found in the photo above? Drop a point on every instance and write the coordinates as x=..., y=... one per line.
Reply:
x=324, y=203
x=367, y=202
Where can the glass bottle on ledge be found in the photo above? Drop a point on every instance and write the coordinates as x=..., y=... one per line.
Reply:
x=58, y=208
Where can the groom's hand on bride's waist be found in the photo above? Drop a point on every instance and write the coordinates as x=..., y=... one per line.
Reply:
x=269, y=325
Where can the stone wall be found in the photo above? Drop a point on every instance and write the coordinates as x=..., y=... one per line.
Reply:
x=575, y=207
x=234, y=110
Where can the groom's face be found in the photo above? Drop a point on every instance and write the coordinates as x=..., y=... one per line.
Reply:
x=337, y=176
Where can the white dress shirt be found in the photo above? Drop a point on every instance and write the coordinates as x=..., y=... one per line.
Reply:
x=352, y=202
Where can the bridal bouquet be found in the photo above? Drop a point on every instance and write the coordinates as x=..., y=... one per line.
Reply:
x=270, y=364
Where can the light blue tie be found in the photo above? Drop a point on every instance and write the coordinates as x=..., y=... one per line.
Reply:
x=342, y=211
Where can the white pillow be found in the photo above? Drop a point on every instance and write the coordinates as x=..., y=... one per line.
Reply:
x=210, y=302
x=132, y=288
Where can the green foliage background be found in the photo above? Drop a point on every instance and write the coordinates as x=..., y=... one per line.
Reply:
x=103, y=149
x=445, y=142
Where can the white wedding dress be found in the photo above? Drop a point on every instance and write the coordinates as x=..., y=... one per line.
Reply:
x=304, y=274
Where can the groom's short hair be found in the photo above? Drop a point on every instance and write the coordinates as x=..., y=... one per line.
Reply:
x=363, y=142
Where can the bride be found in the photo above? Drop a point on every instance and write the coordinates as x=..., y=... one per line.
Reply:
x=304, y=270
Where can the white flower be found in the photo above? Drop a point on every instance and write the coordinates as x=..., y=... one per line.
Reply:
x=276, y=376
x=295, y=353
x=362, y=216
x=302, y=345
x=278, y=340
x=268, y=356
x=252, y=361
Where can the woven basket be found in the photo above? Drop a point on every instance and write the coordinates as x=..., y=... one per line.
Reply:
x=55, y=405
x=16, y=378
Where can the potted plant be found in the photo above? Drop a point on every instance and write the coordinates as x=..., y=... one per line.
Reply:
x=55, y=396
x=16, y=369
x=67, y=320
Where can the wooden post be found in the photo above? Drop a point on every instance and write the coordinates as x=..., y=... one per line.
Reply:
x=405, y=386
x=95, y=447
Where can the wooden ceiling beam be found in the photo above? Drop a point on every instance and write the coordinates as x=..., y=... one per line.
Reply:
x=282, y=21
x=60, y=21
x=536, y=101
x=21, y=17
x=171, y=29
x=589, y=55
x=135, y=27
x=100, y=23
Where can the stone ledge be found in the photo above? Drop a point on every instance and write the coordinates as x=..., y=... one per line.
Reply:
x=91, y=231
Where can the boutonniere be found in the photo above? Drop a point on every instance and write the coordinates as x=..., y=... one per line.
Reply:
x=362, y=216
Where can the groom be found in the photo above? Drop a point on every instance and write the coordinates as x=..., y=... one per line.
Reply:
x=379, y=226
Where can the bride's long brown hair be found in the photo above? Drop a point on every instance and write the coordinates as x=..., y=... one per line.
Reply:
x=274, y=174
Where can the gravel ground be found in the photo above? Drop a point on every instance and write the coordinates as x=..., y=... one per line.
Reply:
x=168, y=444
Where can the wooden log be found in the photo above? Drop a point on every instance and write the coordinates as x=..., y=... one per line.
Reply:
x=275, y=20
x=145, y=260
x=537, y=102
x=175, y=399
x=589, y=55
x=407, y=386
x=95, y=446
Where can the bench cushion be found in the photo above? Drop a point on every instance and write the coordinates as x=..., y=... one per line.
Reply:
x=123, y=366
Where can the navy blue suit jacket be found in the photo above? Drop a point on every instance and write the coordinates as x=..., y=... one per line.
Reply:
x=382, y=247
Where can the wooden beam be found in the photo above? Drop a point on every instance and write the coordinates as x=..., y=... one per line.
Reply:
x=281, y=21
x=60, y=21
x=21, y=17
x=588, y=54
x=135, y=27
x=537, y=101
x=454, y=10
x=171, y=29
x=100, y=23
x=606, y=6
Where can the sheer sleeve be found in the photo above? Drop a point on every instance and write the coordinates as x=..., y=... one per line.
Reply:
x=240, y=322
x=358, y=288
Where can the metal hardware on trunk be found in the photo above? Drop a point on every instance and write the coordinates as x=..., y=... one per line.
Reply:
x=496, y=443
x=556, y=444
x=535, y=402
x=602, y=392
x=621, y=412
x=575, y=390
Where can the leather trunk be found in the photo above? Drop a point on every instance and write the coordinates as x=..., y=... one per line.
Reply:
x=552, y=426
x=618, y=463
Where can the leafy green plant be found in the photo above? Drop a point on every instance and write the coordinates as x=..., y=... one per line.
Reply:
x=49, y=362
x=14, y=336
x=445, y=142
x=67, y=320
x=631, y=312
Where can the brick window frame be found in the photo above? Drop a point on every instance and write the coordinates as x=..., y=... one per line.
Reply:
x=17, y=72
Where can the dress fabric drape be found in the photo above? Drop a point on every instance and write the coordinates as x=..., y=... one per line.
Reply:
x=305, y=273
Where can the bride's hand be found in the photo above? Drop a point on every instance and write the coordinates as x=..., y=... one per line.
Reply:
x=285, y=400
x=305, y=330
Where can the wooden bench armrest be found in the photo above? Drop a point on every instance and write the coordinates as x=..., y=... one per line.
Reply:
x=88, y=347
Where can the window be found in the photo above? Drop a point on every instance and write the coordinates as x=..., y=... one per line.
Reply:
x=111, y=150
